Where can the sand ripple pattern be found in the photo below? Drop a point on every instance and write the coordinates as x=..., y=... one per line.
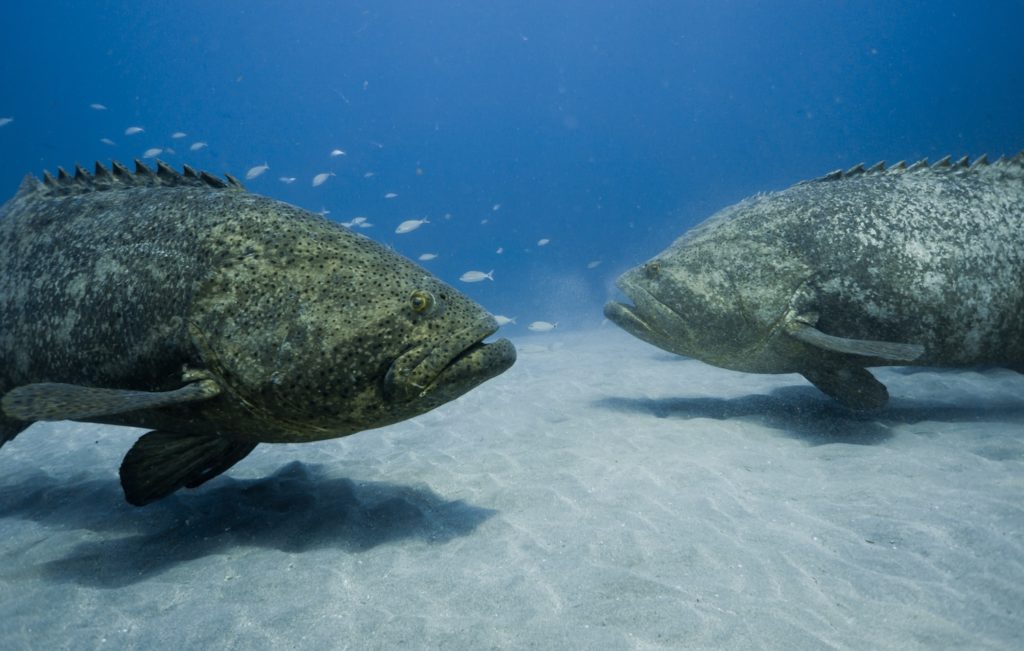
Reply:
x=600, y=494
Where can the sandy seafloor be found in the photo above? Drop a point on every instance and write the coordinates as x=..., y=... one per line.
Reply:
x=601, y=494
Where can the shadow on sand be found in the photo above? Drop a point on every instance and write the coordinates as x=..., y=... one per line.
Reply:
x=803, y=413
x=298, y=508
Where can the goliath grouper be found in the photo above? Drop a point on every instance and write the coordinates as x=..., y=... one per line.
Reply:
x=219, y=319
x=918, y=265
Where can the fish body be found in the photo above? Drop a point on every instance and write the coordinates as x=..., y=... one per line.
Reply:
x=476, y=276
x=541, y=326
x=410, y=225
x=322, y=177
x=918, y=265
x=256, y=171
x=217, y=318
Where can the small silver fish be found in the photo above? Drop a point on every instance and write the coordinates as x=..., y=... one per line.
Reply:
x=108, y=141
x=321, y=177
x=390, y=195
x=496, y=207
x=427, y=257
x=593, y=264
x=500, y=250
x=476, y=276
x=98, y=107
x=196, y=146
x=542, y=326
x=5, y=121
x=131, y=131
x=543, y=241
x=178, y=134
x=410, y=225
x=286, y=179
x=369, y=175
x=357, y=221
x=337, y=152
x=152, y=152
x=504, y=320
x=256, y=171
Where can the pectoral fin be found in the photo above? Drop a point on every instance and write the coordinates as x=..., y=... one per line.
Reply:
x=53, y=401
x=852, y=386
x=162, y=462
x=889, y=350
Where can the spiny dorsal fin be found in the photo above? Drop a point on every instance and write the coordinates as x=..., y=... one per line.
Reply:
x=119, y=177
x=945, y=164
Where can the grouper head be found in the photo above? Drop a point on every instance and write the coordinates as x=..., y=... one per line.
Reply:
x=719, y=304
x=321, y=333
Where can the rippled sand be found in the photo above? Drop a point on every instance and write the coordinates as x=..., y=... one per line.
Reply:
x=601, y=494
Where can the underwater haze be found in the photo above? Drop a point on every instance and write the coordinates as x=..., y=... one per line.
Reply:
x=601, y=493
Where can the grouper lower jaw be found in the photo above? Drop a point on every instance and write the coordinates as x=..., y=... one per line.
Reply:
x=475, y=365
x=450, y=369
x=625, y=317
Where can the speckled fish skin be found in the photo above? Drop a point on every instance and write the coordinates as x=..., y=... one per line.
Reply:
x=920, y=265
x=306, y=331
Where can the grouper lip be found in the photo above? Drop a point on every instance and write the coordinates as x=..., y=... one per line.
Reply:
x=631, y=317
x=456, y=365
x=476, y=364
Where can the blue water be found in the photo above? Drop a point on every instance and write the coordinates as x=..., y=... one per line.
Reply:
x=600, y=494
x=606, y=127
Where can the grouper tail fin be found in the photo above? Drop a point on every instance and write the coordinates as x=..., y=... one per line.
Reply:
x=162, y=462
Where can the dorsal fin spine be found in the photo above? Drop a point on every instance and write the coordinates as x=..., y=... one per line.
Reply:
x=946, y=164
x=118, y=176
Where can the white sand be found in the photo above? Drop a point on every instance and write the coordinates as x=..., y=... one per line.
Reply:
x=600, y=495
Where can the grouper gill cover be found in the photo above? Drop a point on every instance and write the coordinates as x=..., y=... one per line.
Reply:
x=905, y=265
x=217, y=318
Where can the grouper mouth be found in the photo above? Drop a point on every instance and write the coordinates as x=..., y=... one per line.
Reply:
x=644, y=318
x=448, y=369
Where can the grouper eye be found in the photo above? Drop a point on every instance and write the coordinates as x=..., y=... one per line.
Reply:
x=421, y=301
x=652, y=269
